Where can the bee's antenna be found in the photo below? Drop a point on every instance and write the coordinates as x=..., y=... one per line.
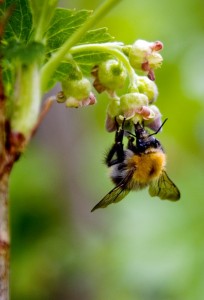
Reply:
x=159, y=128
x=130, y=133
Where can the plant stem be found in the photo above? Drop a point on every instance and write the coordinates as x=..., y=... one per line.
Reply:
x=4, y=211
x=4, y=238
x=27, y=100
x=49, y=68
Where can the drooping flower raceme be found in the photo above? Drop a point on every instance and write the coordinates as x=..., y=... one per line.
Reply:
x=131, y=95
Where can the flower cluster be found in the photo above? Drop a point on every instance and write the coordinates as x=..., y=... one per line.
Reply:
x=132, y=96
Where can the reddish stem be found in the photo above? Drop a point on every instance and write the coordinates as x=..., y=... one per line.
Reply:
x=4, y=238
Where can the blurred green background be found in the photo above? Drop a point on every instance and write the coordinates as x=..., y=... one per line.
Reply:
x=141, y=248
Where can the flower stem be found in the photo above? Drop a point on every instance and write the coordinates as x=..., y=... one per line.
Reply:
x=114, y=49
x=49, y=68
x=4, y=238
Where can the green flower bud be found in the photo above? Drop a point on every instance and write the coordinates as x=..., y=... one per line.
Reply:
x=147, y=87
x=130, y=103
x=78, y=89
x=113, y=108
x=112, y=74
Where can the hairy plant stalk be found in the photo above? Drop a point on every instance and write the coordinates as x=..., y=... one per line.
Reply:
x=4, y=211
x=4, y=238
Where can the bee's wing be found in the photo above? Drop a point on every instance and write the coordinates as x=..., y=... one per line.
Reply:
x=116, y=194
x=164, y=188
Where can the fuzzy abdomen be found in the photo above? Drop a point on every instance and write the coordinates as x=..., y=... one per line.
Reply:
x=147, y=167
x=137, y=171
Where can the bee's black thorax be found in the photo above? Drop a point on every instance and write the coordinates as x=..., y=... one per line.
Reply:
x=143, y=142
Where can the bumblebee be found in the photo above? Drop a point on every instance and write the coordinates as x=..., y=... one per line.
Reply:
x=142, y=163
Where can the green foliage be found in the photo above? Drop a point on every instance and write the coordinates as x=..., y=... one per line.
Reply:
x=20, y=24
x=42, y=12
x=96, y=36
x=86, y=60
x=29, y=30
x=64, y=23
x=34, y=31
x=24, y=53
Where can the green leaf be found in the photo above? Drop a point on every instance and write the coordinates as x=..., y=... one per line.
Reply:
x=64, y=23
x=61, y=73
x=42, y=12
x=100, y=35
x=86, y=60
x=25, y=54
x=19, y=24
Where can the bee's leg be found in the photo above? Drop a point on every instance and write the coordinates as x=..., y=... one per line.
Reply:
x=131, y=140
x=119, y=132
x=116, y=150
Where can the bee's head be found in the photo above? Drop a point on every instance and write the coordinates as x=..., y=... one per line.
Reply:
x=144, y=140
x=148, y=142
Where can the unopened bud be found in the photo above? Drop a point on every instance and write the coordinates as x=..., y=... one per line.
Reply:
x=78, y=89
x=147, y=87
x=112, y=74
x=131, y=103
x=113, y=108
